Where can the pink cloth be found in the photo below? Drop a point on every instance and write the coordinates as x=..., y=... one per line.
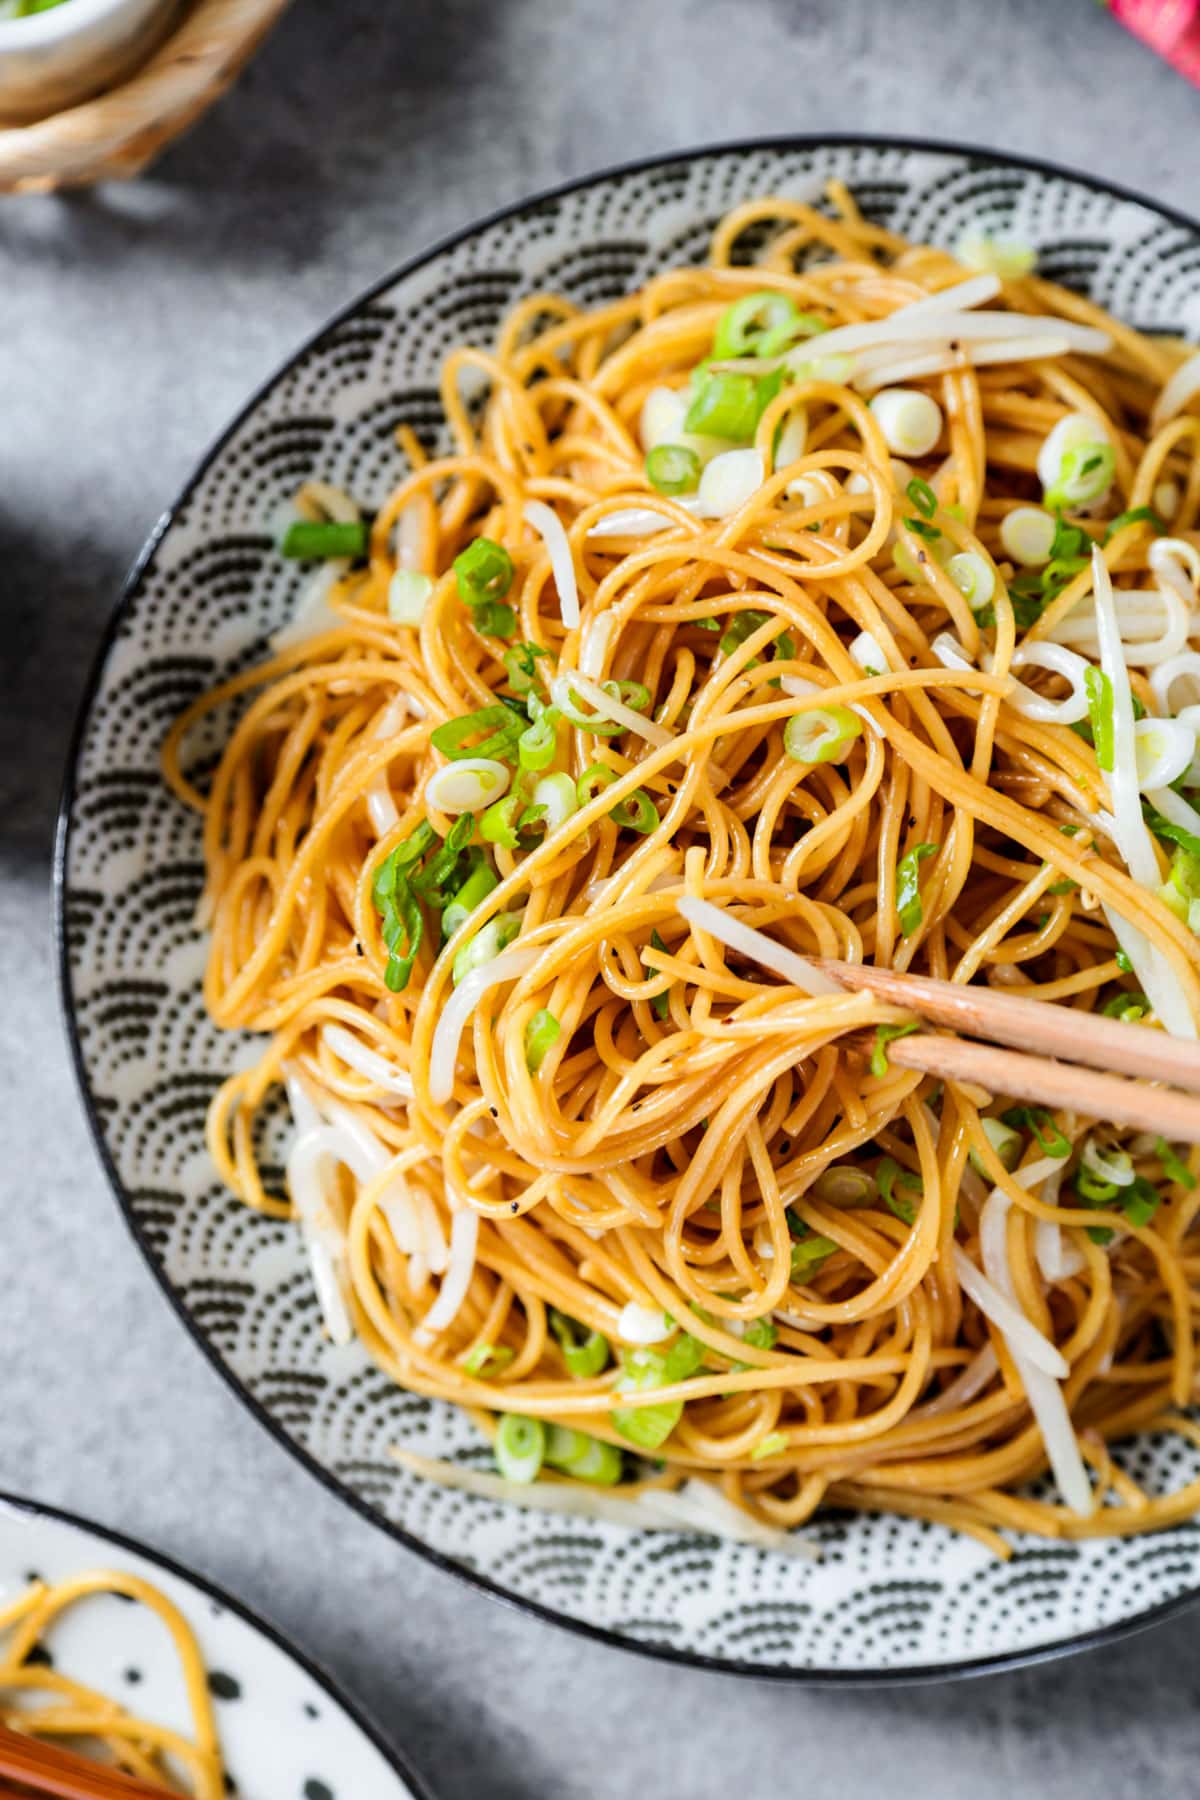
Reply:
x=1172, y=27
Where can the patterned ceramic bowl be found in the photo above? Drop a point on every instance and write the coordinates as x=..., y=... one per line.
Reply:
x=285, y=1730
x=890, y=1598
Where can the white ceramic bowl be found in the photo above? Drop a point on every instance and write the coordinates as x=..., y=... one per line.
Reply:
x=55, y=59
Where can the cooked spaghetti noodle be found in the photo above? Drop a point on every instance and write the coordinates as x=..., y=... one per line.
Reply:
x=753, y=617
x=43, y=1701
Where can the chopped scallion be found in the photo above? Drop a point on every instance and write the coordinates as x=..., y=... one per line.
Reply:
x=541, y=1034
x=493, y=731
x=885, y=1035
x=486, y=1360
x=318, y=540
x=1099, y=690
x=1173, y=1167
x=520, y=1448
x=585, y=1352
x=1036, y=1119
x=822, y=734
x=673, y=469
x=909, y=910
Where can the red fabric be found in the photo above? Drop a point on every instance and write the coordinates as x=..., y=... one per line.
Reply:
x=1172, y=27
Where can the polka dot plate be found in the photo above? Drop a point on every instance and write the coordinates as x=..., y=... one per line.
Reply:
x=286, y=1733
x=890, y=1598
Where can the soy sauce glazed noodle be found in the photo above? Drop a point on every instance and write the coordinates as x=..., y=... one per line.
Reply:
x=832, y=599
x=44, y=1701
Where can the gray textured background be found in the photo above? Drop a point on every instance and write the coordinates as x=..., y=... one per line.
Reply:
x=133, y=322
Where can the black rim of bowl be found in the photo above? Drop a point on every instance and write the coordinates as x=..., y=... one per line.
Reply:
x=41, y=1509
x=812, y=1677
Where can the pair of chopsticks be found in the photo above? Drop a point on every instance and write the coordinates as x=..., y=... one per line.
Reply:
x=28, y=1767
x=1061, y=1058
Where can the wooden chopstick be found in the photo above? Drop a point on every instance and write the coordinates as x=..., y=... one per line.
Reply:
x=1059, y=1031
x=47, y=1769
x=1165, y=1111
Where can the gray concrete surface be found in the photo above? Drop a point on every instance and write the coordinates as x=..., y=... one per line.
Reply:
x=133, y=321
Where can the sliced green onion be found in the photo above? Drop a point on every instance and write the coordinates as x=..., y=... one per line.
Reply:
x=885, y=1035
x=486, y=1360
x=974, y=577
x=922, y=497
x=541, y=1034
x=437, y=879
x=909, y=910
x=500, y=823
x=890, y=1175
x=911, y=421
x=1085, y=473
x=555, y=797
x=809, y=1254
x=646, y=1426
x=520, y=661
x=761, y=324
x=1173, y=1167
x=630, y=693
x=408, y=596
x=520, y=1448
x=1129, y=1007
x=487, y=943
x=844, y=1185
x=685, y=1356
x=1027, y=535
x=1141, y=1200
x=467, y=785
x=822, y=734
x=312, y=540
x=1123, y=963
x=673, y=469
x=483, y=572
x=405, y=854
x=1050, y=1139
x=586, y=1458
x=402, y=925
x=637, y=812
x=730, y=406
x=585, y=1352
x=494, y=618
x=537, y=745
x=1092, y=1189
x=1187, y=841
x=593, y=781
x=1136, y=515
x=1107, y=1164
x=761, y=1334
x=477, y=886
x=1099, y=691
x=660, y=1003
x=745, y=624
x=1005, y=1140
x=493, y=731
x=1007, y=257
x=771, y=1445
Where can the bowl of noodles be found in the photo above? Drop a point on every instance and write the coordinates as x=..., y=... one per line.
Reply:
x=776, y=553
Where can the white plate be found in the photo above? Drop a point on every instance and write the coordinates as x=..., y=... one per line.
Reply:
x=286, y=1733
x=891, y=1597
